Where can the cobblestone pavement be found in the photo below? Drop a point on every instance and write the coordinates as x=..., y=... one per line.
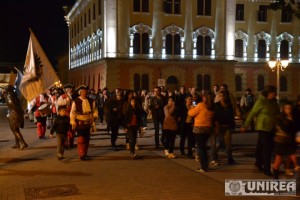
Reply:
x=35, y=173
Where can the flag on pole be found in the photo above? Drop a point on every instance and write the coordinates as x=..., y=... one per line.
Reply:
x=17, y=83
x=39, y=74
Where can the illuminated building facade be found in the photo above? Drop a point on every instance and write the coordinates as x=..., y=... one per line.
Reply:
x=134, y=43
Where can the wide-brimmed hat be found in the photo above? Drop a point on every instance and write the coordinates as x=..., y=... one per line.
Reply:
x=81, y=87
x=68, y=86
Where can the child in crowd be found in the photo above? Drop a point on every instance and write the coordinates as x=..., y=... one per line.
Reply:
x=61, y=126
x=285, y=144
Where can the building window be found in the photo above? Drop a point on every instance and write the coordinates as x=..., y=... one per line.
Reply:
x=84, y=20
x=141, y=5
x=286, y=15
x=239, y=12
x=204, y=45
x=262, y=13
x=261, y=49
x=94, y=11
x=141, y=43
x=204, y=7
x=203, y=82
x=260, y=83
x=284, y=49
x=89, y=16
x=283, y=84
x=99, y=7
x=238, y=83
x=145, y=82
x=136, y=82
x=239, y=48
x=172, y=6
x=173, y=44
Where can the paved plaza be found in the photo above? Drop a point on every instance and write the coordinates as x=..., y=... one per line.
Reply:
x=35, y=173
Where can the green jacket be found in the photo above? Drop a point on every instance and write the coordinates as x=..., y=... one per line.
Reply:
x=266, y=113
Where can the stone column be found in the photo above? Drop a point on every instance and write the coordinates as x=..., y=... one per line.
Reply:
x=230, y=28
x=273, y=33
x=220, y=28
x=110, y=28
x=157, y=26
x=251, y=24
x=123, y=27
x=188, y=28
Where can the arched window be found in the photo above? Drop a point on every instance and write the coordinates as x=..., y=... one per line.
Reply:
x=284, y=49
x=136, y=43
x=238, y=83
x=283, y=84
x=145, y=82
x=140, y=39
x=204, y=45
x=199, y=82
x=173, y=44
x=239, y=48
x=262, y=49
x=260, y=83
x=136, y=82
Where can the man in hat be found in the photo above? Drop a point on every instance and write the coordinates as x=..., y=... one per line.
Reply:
x=82, y=118
x=247, y=102
x=67, y=99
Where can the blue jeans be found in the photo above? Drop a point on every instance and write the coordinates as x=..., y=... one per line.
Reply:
x=201, y=140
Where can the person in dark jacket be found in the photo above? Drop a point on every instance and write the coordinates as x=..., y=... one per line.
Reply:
x=61, y=126
x=133, y=124
x=114, y=117
x=156, y=106
x=225, y=121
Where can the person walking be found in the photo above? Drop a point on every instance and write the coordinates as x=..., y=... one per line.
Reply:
x=61, y=126
x=247, y=102
x=114, y=116
x=204, y=118
x=285, y=144
x=225, y=126
x=186, y=127
x=157, y=109
x=266, y=110
x=82, y=118
x=170, y=127
x=133, y=124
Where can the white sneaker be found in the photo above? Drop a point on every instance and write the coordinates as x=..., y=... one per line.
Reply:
x=214, y=163
x=171, y=156
x=136, y=147
x=166, y=152
x=200, y=170
x=127, y=146
x=197, y=158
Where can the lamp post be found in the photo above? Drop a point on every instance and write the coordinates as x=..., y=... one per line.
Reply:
x=278, y=65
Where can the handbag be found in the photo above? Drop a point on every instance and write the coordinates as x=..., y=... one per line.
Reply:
x=202, y=129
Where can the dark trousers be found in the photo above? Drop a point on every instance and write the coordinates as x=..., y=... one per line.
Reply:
x=114, y=133
x=61, y=139
x=201, y=140
x=157, y=121
x=144, y=119
x=170, y=140
x=186, y=132
x=101, y=114
x=264, y=149
x=132, y=135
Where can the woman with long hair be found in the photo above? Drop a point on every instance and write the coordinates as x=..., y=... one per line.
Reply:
x=204, y=119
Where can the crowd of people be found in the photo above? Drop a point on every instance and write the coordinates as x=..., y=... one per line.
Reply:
x=197, y=118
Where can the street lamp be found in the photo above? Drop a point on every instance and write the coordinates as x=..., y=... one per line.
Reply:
x=278, y=65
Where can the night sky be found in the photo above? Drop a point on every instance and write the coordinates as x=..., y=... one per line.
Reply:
x=44, y=17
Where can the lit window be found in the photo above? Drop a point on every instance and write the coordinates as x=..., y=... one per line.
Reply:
x=173, y=44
